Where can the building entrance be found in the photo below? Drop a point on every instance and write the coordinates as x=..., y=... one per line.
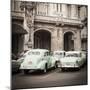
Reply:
x=68, y=41
x=42, y=39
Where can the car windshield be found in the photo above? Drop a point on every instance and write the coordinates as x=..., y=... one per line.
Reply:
x=73, y=55
x=34, y=53
x=56, y=54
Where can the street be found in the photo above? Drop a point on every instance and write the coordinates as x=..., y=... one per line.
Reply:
x=53, y=78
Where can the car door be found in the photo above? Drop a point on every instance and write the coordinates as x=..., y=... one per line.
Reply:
x=83, y=57
x=48, y=59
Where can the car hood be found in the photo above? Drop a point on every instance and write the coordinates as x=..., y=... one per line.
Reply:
x=69, y=59
x=57, y=57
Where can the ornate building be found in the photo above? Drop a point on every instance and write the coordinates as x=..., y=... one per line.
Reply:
x=52, y=26
x=17, y=26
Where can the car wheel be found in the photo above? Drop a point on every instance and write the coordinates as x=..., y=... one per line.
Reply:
x=56, y=64
x=45, y=69
x=77, y=69
x=26, y=71
x=62, y=69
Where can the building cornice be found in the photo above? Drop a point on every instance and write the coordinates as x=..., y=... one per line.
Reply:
x=60, y=22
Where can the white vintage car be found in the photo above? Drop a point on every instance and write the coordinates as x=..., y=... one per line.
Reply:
x=58, y=55
x=73, y=59
x=38, y=59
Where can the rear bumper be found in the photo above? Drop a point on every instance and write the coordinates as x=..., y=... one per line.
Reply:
x=30, y=68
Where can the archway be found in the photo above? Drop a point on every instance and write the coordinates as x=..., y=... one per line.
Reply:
x=68, y=41
x=17, y=42
x=42, y=39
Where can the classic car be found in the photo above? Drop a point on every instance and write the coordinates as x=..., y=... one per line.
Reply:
x=58, y=55
x=73, y=59
x=21, y=58
x=38, y=59
x=15, y=64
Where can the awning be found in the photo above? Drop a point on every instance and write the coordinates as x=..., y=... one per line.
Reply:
x=18, y=29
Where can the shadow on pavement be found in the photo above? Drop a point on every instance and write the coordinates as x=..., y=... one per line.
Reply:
x=39, y=72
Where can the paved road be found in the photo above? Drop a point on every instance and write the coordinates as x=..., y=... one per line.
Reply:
x=54, y=77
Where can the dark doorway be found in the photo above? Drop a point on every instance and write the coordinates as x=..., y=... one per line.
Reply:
x=68, y=41
x=42, y=39
x=17, y=42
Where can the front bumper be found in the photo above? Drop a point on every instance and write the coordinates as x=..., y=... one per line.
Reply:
x=69, y=65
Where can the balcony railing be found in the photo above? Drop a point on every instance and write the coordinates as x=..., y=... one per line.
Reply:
x=53, y=19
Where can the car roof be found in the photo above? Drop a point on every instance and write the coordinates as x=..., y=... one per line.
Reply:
x=41, y=50
x=59, y=51
x=73, y=51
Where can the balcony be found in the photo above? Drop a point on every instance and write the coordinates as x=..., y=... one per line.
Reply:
x=54, y=19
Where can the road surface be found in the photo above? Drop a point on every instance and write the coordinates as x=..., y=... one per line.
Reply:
x=53, y=78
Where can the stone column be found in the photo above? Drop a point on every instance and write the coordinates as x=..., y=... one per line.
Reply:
x=54, y=40
x=60, y=38
x=74, y=12
x=37, y=8
x=77, y=42
x=50, y=8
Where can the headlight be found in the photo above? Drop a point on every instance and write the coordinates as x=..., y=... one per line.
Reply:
x=21, y=60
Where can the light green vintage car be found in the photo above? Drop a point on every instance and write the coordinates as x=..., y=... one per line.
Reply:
x=38, y=59
x=58, y=55
x=73, y=59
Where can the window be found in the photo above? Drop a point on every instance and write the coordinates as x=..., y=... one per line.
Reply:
x=78, y=11
x=57, y=7
x=69, y=10
x=42, y=9
x=34, y=53
x=46, y=54
x=60, y=7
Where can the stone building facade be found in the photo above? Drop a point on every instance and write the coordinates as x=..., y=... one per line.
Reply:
x=53, y=26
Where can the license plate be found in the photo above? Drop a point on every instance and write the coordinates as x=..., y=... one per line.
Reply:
x=30, y=62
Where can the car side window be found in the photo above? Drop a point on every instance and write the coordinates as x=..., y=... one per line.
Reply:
x=83, y=54
x=64, y=54
x=80, y=54
x=46, y=53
